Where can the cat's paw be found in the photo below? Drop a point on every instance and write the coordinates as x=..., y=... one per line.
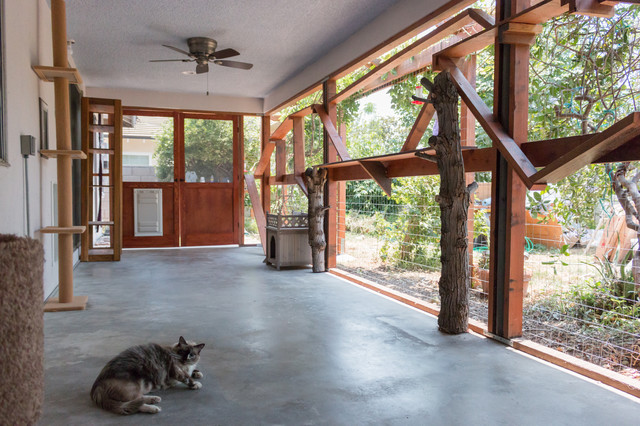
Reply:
x=152, y=399
x=195, y=385
x=197, y=374
x=151, y=409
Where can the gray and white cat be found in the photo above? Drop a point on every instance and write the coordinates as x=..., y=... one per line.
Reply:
x=122, y=385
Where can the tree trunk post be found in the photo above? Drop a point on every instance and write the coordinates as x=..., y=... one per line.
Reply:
x=629, y=198
x=453, y=199
x=315, y=179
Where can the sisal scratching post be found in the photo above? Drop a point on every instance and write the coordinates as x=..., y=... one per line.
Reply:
x=21, y=330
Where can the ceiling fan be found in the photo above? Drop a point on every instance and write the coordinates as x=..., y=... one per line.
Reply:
x=202, y=50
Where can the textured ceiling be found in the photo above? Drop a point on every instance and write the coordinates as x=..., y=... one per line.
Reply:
x=115, y=40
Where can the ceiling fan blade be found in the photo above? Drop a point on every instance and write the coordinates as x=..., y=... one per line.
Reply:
x=202, y=68
x=225, y=53
x=171, y=60
x=184, y=52
x=234, y=64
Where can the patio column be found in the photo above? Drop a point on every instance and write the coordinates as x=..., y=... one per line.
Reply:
x=330, y=155
x=508, y=192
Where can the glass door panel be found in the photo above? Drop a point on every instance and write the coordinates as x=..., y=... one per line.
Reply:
x=208, y=150
x=147, y=149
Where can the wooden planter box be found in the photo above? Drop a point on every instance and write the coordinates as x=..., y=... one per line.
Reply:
x=288, y=240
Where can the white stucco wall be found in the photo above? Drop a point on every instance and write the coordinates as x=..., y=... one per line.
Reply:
x=27, y=32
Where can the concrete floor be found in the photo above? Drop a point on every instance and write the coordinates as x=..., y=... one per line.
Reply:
x=297, y=348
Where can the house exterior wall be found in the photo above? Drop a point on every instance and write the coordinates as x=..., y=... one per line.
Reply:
x=27, y=32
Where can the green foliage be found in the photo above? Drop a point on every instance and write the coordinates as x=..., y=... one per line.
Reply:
x=366, y=196
x=369, y=136
x=413, y=240
x=163, y=154
x=208, y=149
x=252, y=130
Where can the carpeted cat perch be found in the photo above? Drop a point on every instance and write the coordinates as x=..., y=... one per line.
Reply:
x=21, y=330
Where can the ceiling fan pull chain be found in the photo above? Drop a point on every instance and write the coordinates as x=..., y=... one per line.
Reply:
x=207, y=84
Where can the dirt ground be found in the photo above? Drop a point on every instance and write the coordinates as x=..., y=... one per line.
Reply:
x=618, y=351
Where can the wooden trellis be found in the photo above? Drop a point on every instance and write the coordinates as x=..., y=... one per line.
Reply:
x=515, y=163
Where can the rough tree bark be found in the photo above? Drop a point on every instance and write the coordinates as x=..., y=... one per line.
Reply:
x=315, y=179
x=453, y=199
x=629, y=197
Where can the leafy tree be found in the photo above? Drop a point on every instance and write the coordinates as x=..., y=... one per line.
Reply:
x=208, y=149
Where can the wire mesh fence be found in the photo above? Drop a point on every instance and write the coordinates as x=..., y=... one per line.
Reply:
x=580, y=296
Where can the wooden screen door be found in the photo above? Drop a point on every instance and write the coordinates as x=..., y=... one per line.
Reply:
x=208, y=180
x=182, y=174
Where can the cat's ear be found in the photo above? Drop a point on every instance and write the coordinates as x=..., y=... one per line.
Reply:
x=181, y=341
x=199, y=347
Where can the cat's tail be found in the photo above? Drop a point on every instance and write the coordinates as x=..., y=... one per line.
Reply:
x=106, y=397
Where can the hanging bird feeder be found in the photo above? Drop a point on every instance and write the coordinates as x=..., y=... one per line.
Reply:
x=418, y=94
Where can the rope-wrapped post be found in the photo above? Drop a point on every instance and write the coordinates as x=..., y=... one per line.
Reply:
x=21, y=330
x=315, y=179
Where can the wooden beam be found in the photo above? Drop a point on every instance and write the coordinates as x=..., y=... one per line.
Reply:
x=591, y=8
x=332, y=146
x=281, y=159
x=592, y=149
x=303, y=186
x=289, y=179
x=261, y=220
x=419, y=127
x=265, y=158
x=378, y=173
x=505, y=143
x=298, y=145
x=332, y=133
x=450, y=8
x=298, y=151
x=420, y=61
x=466, y=47
x=518, y=33
x=447, y=29
x=540, y=12
x=265, y=190
x=282, y=130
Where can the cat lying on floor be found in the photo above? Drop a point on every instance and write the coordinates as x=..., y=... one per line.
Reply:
x=122, y=385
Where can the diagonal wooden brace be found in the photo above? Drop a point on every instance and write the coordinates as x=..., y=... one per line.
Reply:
x=419, y=127
x=261, y=220
x=334, y=137
x=378, y=173
x=505, y=144
x=264, y=158
x=592, y=149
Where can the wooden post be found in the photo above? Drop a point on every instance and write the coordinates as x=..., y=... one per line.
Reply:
x=508, y=192
x=341, y=205
x=238, y=121
x=315, y=179
x=330, y=156
x=265, y=188
x=454, y=204
x=468, y=138
x=66, y=300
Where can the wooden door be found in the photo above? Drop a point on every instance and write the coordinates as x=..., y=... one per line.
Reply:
x=151, y=140
x=193, y=162
x=209, y=180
